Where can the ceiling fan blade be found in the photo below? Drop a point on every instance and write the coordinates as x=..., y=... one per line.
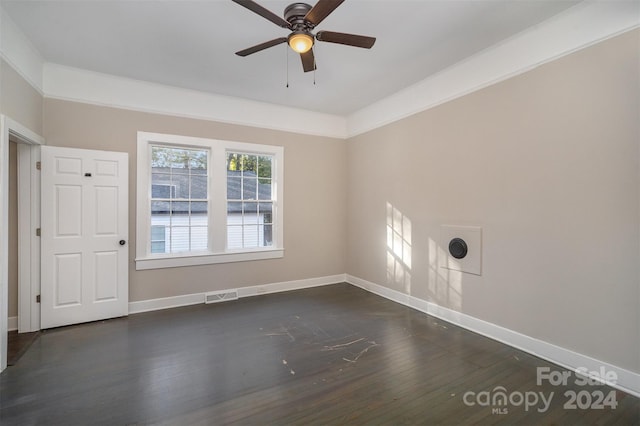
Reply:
x=261, y=46
x=348, y=39
x=308, y=61
x=265, y=13
x=321, y=10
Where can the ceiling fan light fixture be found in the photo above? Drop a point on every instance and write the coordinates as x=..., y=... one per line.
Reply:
x=301, y=41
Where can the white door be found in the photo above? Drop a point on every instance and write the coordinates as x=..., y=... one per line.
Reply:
x=84, y=273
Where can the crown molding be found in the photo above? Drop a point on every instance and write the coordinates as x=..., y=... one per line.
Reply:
x=17, y=51
x=73, y=84
x=581, y=26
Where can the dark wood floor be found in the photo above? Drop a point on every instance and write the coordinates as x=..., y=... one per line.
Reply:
x=17, y=345
x=329, y=355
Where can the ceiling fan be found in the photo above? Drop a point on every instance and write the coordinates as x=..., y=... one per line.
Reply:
x=301, y=19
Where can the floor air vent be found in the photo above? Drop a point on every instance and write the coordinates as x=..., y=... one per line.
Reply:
x=220, y=296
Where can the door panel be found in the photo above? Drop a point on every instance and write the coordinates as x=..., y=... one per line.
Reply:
x=106, y=284
x=68, y=210
x=84, y=217
x=106, y=210
x=68, y=279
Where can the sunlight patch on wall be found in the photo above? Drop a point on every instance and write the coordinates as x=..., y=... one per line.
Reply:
x=444, y=285
x=398, y=249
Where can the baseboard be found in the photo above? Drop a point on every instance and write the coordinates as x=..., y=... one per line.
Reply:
x=627, y=381
x=12, y=323
x=165, y=303
x=290, y=285
x=197, y=298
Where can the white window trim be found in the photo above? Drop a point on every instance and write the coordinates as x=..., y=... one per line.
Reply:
x=217, y=252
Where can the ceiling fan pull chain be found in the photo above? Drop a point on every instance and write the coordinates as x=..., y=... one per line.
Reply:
x=286, y=52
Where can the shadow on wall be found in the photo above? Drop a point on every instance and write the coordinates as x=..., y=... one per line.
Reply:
x=398, y=250
x=444, y=284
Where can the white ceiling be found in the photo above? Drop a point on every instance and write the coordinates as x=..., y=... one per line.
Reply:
x=191, y=44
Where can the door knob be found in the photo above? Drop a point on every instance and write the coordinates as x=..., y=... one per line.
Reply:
x=122, y=242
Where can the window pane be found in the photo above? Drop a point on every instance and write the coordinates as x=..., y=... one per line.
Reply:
x=162, y=191
x=158, y=237
x=198, y=162
x=161, y=185
x=250, y=235
x=180, y=161
x=199, y=238
x=160, y=208
x=232, y=162
x=234, y=185
x=180, y=185
x=264, y=166
x=250, y=210
x=198, y=187
x=160, y=157
x=249, y=164
x=265, y=211
x=157, y=233
x=179, y=239
x=199, y=211
x=180, y=208
x=264, y=189
x=249, y=183
x=234, y=237
x=267, y=235
x=158, y=247
x=234, y=208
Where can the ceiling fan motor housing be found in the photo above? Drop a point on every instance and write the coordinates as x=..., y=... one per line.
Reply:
x=295, y=13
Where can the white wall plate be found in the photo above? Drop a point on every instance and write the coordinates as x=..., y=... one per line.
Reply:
x=472, y=235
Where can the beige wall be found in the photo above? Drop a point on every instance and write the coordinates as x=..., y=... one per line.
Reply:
x=547, y=163
x=315, y=195
x=19, y=99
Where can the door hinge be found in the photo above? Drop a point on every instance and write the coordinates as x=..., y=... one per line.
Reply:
x=38, y=299
x=38, y=232
x=38, y=165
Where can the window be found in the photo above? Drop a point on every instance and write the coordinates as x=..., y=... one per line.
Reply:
x=249, y=200
x=179, y=199
x=204, y=201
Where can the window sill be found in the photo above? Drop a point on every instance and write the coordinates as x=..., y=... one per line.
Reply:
x=174, y=261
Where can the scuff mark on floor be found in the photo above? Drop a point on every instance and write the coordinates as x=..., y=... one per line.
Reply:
x=341, y=345
x=320, y=329
x=283, y=331
x=284, y=362
x=362, y=352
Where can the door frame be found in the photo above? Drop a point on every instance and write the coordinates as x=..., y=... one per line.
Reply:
x=29, y=246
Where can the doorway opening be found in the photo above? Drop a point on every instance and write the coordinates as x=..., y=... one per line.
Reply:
x=17, y=343
x=19, y=219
